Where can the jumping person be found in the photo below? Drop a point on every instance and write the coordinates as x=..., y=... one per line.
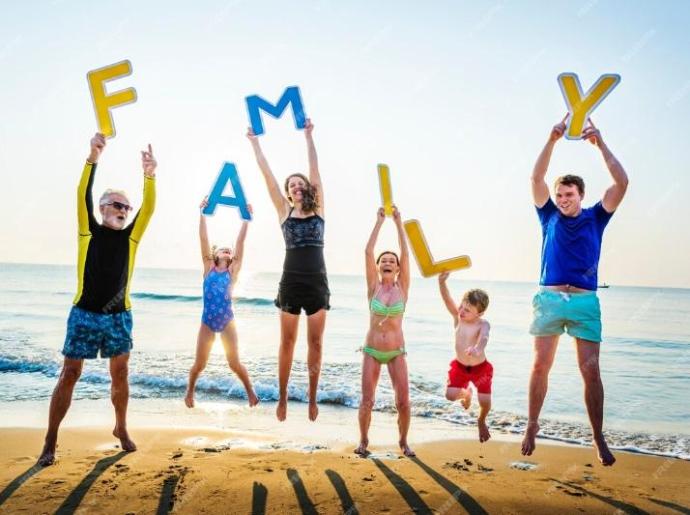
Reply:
x=221, y=268
x=388, y=282
x=470, y=364
x=304, y=284
x=101, y=318
x=567, y=298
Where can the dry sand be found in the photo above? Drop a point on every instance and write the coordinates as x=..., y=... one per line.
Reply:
x=212, y=471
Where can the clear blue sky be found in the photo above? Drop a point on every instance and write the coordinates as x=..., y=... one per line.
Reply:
x=457, y=97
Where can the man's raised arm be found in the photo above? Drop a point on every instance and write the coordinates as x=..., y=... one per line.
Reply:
x=540, y=190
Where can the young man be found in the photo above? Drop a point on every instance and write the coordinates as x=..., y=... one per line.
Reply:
x=567, y=298
x=470, y=364
x=100, y=319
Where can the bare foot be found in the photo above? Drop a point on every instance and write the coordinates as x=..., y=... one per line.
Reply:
x=406, y=450
x=253, y=399
x=606, y=457
x=313, y=411
x=126, y=442
x=281, y=410
x=189, y=399
x=484, y=434
x=47, y=456
x=362, y=449
x=528, y=442
x=466, y=398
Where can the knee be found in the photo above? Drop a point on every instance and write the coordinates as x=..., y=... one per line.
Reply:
x=451, y=396
x=402, y=405
x=119, y=374
x=366, y=403
x=590, y=371
x=70, y=375
x=315, y=343
x=541, y=367
x=235, y=365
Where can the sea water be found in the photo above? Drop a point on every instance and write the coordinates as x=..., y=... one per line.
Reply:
x=645, y=355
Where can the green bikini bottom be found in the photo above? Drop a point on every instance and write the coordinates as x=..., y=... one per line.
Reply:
x=383, y=356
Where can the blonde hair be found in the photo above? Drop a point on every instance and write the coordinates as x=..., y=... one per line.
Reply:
x=214, y=256
x=111, y=191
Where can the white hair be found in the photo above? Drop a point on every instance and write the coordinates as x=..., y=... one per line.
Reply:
x=106, y=195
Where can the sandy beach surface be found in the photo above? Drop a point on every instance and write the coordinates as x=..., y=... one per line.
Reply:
x=228, y=470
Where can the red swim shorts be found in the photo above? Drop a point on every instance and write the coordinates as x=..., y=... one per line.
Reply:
x=459, y=375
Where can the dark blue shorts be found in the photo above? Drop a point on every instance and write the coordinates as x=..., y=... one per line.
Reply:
x=89, y=332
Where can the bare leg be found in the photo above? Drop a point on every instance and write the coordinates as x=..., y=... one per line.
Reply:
x=59, y=404
x=544, y=353
x=397, y=368
x=588, y=360
x=484, y=407
x=229, y=339
x=464, y=395
x=119, y=395
x=204, y=342
x=371, y=370
x=315, y=326
x=288, y=336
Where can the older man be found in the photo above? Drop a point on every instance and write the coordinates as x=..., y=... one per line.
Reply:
x=567, y=299
x=100, y=320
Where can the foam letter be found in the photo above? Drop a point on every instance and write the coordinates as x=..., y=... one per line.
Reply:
x=102, y=102
x=228, y=174
x=427, y=265
x=386, y=190
x=291, y=96
x=581, y=106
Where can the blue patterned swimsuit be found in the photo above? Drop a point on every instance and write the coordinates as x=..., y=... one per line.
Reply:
x=217, y=301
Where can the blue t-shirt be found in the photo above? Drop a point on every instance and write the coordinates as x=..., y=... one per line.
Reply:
x=571, y=245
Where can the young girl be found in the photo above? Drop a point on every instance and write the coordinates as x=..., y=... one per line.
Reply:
x=221, y=267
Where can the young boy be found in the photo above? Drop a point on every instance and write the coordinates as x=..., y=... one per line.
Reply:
x=470, y=363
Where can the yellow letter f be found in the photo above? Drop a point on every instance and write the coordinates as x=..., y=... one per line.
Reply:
x=102, y=102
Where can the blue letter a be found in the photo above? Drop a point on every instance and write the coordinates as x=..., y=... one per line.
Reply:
x=228, y=173
x=291, y=96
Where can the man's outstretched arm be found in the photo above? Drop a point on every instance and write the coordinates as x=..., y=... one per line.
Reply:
x=614, y=195
x=148, y=204
x=540, y=190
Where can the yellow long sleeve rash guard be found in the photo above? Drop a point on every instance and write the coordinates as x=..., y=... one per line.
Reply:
x=106, y=256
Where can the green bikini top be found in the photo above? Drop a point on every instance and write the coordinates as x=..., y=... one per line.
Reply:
x=377, y=307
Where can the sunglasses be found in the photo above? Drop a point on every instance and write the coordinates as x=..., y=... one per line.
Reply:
x=119, y=206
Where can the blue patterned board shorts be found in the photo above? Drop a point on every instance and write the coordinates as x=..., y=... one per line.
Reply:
x=578, y=313
x=89, y=332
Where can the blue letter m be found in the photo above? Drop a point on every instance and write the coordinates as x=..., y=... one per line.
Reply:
x=291, y=96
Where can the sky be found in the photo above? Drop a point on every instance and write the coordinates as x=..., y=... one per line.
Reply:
x=458, y=98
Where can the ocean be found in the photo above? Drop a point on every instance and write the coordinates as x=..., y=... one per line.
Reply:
x=645, y=356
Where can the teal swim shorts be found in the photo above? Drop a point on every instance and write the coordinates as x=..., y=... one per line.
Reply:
x=577, y=313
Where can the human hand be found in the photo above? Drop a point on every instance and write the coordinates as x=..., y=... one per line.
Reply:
x=558, y=130
x=308, y=127
x=148, y=162
x=472, y=351
x=97, y=146
x=443, y=277
x=250, y=135
x=380, y=215
x=250, y=209
x=592, y=134
x=396, y=215
x=204, y=203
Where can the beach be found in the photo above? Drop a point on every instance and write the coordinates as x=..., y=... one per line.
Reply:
x=205, y=470
x=224, y=457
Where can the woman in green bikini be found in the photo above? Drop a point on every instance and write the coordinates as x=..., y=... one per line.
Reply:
x=388, y=280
